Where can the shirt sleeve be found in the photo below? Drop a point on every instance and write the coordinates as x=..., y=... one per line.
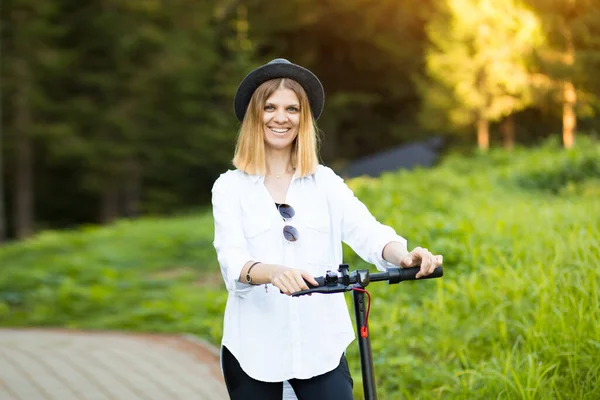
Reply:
x=360, y=230
x=229, y=242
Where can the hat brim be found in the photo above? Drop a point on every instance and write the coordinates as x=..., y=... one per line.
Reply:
x=311, y=84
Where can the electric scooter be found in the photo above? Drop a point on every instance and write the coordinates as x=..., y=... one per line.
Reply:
x=343, y=281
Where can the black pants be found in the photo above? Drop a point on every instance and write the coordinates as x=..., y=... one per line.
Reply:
x=333, y=385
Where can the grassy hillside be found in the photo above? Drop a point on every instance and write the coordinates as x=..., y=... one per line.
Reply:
x=515, y=316
x=153, y=274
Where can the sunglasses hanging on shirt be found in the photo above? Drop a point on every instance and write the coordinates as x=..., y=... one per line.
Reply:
x=287, y=213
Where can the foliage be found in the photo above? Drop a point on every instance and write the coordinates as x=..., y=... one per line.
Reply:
x=143, y=275
x=365, y=52
x=124, y=108
x=563, y=174
x=478, y=61
x=514, y=317
x=127, y=118
x=572, y=46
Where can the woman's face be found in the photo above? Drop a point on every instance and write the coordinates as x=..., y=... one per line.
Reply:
x=281, y=117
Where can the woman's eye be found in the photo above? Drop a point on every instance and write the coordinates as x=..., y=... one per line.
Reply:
x=269, y=108
x=293, y=109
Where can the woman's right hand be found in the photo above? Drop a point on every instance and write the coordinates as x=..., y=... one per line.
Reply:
x=291, y=280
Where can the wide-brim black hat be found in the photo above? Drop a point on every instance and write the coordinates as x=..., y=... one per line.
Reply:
x=280, y=68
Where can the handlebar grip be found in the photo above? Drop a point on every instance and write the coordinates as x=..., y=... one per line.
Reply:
x=410, y=274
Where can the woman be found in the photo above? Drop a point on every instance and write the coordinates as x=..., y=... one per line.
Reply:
x=280, y=219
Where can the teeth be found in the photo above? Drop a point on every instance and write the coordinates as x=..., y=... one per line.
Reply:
x=279, y=130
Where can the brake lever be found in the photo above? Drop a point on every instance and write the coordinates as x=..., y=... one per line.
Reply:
x=324, y=289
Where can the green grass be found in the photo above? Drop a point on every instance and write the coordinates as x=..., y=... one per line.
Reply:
x=144, y=275
x=516, y=315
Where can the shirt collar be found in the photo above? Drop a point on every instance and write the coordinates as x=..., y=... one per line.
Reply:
x=256, y=178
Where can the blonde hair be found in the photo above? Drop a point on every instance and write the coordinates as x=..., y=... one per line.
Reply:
x=249, y=153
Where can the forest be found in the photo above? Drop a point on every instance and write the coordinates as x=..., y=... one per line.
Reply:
x=115, y=109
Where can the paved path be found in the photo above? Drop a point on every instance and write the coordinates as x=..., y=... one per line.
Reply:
x=73, y=365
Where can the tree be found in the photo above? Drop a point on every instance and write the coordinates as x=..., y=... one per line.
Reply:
x=191, y=125
x=22, y=123
x=478, y=64
x=366, y=53
x=572, y=51
x=3, y=233
x=30, y=37
x=138, y=100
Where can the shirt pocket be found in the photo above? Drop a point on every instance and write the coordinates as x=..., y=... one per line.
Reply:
x=258, y=235
x=255, y=227
x=254, y=220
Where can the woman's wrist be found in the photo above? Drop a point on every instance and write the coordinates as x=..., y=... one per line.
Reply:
x=394, y=252
x=249, y=272
x=259, y=272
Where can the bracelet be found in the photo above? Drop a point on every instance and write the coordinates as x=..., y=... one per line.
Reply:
x=248, y=277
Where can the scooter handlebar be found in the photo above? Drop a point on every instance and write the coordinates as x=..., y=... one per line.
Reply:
x=334, y=283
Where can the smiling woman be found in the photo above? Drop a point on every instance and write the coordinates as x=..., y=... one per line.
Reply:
x=280, y=219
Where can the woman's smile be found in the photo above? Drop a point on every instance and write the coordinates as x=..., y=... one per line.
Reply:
x=280, y=131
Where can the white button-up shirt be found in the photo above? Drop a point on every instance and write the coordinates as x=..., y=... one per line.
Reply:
x=273, y=336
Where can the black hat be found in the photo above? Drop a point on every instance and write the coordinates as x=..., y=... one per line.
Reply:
x=280, y=68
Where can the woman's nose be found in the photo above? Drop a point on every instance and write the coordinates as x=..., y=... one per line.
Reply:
x=280, y=116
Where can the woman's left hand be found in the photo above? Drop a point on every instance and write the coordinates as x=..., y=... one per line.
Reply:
x=423, y=258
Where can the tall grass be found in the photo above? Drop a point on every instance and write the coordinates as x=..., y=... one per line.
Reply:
x=516, y=315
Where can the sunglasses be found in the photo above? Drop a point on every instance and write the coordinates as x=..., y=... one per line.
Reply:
x=287, y=213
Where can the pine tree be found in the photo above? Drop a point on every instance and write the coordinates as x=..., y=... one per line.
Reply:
x=138, y=98
x=3, y=232
x=30, y=57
